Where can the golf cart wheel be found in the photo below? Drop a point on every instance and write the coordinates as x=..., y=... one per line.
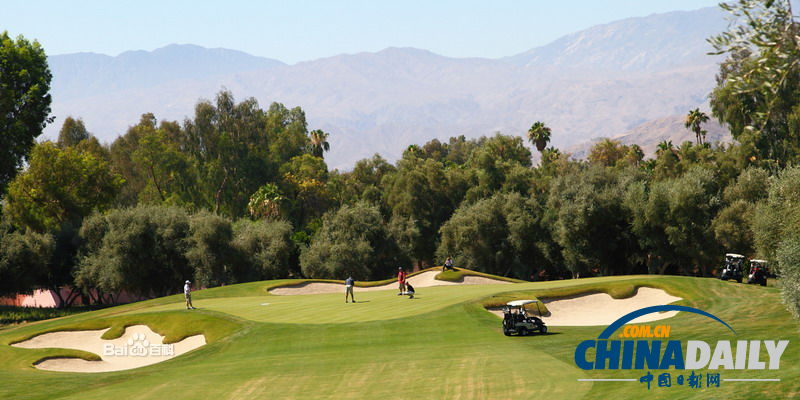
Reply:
x=523, y=331
x=542, y=328
x=739, y=280
x=506, y=332
x=764, y=282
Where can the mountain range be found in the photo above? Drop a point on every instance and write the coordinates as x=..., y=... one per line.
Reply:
x=600, y=82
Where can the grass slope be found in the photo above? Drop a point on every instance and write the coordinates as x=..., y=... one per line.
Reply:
x=442, y=345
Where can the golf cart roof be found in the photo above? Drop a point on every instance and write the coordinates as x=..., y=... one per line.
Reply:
x=759, y=261
x=733, y=255
x=520, y=303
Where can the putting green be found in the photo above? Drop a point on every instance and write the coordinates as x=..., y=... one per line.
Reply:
x=442, y=345
x=370, y=306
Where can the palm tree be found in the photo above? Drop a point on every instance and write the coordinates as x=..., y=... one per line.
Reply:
x=665, y=146
x=319, y=142
x=266, y=202
x=412, y=150
x=694, y=121
x=539, y=135
x=550, y=154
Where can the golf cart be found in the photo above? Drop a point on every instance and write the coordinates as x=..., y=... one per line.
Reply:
x=517, y=321
x=758, y=272
x=734, y=267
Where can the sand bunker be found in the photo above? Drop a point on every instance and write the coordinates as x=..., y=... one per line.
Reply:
x=425, y=279
x=138, y=347
x=600, y=309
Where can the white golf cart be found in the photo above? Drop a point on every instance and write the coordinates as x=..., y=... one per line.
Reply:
x=516, y=320
x=734, y=267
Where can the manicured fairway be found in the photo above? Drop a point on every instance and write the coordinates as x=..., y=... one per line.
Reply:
x=441, y=345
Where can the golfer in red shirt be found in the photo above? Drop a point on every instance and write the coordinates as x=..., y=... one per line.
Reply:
x=401, y=279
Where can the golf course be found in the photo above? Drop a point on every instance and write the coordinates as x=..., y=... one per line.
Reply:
x=441, y=344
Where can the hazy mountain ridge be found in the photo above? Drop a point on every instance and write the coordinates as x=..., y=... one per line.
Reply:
x=138, y=69
x=676, y=39
x=384, y=101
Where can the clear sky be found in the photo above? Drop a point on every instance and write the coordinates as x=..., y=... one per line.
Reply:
x=298, y=30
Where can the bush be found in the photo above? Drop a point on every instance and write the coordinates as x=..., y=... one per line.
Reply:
x=141, y=250
x=353, y=240
x=25, y=257
x=265, y=249
x=788, y=257
x=209, y=250
x=497, y=235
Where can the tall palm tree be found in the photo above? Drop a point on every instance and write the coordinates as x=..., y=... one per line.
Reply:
x=539, y=135
x=319, y=142
x=694, y=121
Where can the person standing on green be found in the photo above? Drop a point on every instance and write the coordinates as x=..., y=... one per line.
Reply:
x=401, y=279
x=187, y=292
x=348, y=288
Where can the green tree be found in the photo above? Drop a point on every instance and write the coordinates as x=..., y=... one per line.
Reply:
x=266, y=249
x=758, y=85
x=362, y=183
x=667, y=163
x=694, y=122
x=25, y=258
x=607, y=152
x=24, y=101
x=777, y=216
x=418, y=190
x=60, y=185
x=287, y=132
x=72, y=132
x=140, y=250
x=353, y=240
x=237, y=147
x=672, y=222
x=168, y=173
x=539, y=135
x=788, y=256
x=121, y=155
x=305, y=184
x=635, y=155
x=499, y=235
x=318, y=142
x=266, y=202
x=209, y=250
x=587, y=219
x=733, y=225
x=499, y=163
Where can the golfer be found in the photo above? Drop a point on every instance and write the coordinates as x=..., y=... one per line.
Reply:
x=187, y=292
x=401, y=279
x=409, y=290
x=348, y=289
x=448, y=264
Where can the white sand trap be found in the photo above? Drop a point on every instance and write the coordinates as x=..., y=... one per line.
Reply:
x=425, y=279
x=600, y=309
x=138, y=347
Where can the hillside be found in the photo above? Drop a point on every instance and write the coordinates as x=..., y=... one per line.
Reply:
x=594, y=83
x=656, y=43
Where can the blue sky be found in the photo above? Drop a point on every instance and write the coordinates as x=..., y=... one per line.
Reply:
x=300, y=30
